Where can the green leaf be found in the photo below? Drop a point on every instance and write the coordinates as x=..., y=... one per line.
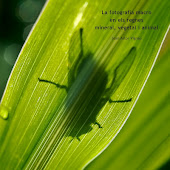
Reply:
x=73, y=87
x=144, y=140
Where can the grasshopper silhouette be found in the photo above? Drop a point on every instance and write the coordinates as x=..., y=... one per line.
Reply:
x=92, y=87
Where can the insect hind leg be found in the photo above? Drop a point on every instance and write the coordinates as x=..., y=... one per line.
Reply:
x=120, y=101
x=98, y=124
x=56, y=84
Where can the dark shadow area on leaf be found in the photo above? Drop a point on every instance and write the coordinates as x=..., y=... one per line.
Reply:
x=88, y=89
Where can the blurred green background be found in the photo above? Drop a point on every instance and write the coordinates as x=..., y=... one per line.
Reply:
x=16, y=20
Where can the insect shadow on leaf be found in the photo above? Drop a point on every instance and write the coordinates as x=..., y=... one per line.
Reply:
x=89, y=86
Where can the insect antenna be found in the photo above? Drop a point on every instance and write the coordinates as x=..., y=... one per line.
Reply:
x=81, y=41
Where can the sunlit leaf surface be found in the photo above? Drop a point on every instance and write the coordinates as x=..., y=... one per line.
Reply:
x=144, y=141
